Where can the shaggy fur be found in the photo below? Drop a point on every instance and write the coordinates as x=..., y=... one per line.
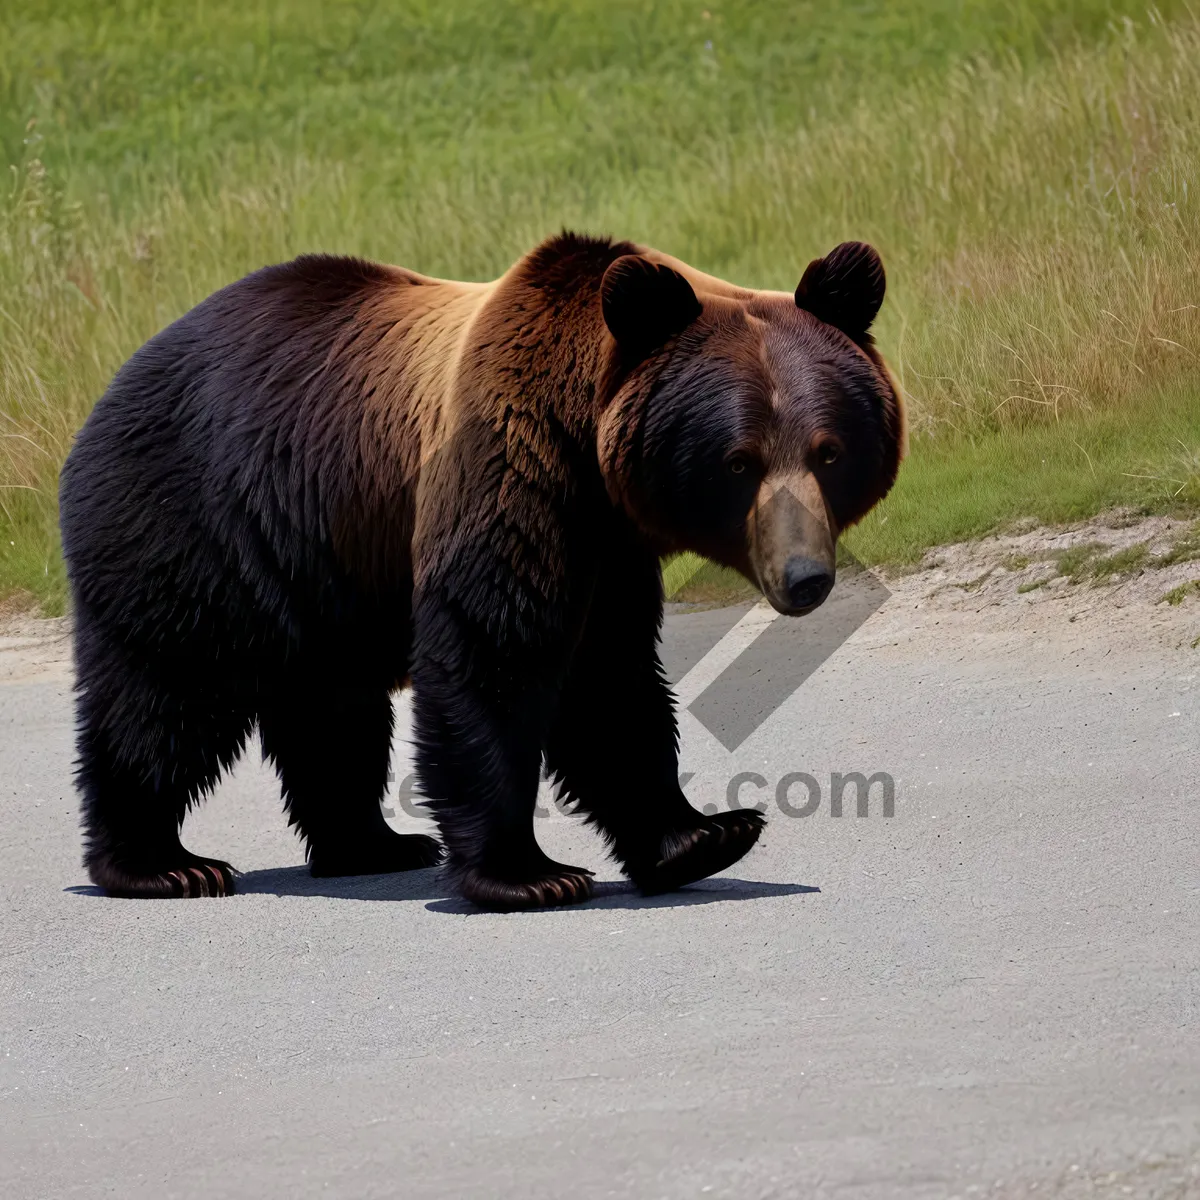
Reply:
x=333, y=477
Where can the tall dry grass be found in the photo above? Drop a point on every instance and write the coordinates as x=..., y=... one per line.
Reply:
x=1039, y=222
x=1042, y=226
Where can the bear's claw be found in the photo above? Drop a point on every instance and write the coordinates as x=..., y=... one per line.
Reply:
x=692, y=854
x=195, y=878
x=559, y=885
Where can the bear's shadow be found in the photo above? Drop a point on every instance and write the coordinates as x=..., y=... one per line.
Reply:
x=428, y=885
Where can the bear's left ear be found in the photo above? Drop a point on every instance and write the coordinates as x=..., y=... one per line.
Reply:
x=845, y=288
x=645, y=304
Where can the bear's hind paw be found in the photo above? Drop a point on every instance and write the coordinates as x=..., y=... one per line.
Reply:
x=195, y=878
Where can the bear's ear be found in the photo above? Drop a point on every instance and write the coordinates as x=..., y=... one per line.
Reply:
x=645, y=304
x=845, y=288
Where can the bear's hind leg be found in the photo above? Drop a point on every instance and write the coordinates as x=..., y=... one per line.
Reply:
x=331, y=746
x=144, y=757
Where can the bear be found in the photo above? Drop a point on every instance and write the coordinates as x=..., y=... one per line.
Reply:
x=335, y=478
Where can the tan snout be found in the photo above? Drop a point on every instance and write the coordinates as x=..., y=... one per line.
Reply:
x=793, y=543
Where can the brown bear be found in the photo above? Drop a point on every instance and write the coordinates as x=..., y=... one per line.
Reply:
x=334, y=477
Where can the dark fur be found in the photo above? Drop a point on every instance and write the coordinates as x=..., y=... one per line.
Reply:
x=259, y=529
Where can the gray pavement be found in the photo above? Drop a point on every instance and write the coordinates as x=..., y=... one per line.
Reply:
x=993, y=992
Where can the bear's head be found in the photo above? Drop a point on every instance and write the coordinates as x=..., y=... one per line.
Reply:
x=750, y=427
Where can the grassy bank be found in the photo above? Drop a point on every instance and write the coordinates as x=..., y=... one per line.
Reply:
x=1030, y=171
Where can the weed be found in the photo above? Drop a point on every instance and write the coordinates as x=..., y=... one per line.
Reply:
x=973, y=585
x=1120, y=563
x=1177, y=595
x=1185, y=549
x=1076, y=562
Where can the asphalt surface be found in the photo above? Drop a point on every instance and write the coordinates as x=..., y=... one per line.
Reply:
x=993, y=992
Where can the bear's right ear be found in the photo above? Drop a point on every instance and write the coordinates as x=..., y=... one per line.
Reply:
x=645, y=304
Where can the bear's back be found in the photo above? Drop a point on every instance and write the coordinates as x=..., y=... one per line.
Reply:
x=233, y=446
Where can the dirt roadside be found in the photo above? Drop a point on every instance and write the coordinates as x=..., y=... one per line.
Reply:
x=1132, y=582
x=34, y=648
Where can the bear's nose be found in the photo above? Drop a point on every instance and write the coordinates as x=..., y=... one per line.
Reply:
x=807, y=582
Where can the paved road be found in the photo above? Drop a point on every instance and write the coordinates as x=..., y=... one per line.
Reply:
x=993, y=992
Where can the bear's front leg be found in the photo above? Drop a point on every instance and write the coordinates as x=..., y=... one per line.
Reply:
x=480, y=715
x=613, y=746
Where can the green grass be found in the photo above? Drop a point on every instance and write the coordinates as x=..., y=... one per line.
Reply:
x=1029, y=169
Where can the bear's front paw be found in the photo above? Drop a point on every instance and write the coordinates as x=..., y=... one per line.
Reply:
x=691, y=854
x=555, y=884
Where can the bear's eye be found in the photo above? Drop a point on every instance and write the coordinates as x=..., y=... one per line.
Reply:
x=828, y=453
